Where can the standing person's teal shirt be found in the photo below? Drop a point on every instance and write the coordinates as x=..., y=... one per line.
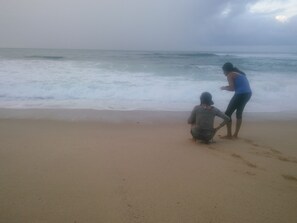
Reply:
x=241, y=84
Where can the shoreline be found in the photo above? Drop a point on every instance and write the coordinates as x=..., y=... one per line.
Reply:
x=126, y=115
x=108, y=116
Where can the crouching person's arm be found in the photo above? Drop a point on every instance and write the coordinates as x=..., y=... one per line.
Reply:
x=224, y=117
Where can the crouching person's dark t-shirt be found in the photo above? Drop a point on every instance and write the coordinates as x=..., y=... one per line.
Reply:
x=202, y=120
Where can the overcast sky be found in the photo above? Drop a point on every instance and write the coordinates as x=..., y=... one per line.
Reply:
x=146, y=24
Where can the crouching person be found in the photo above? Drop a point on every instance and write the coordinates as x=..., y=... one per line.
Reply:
x=202, y=119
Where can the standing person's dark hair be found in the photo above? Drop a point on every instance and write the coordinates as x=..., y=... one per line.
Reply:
x=239, y=83
x=228, y=67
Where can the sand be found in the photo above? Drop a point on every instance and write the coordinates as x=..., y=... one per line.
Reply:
x=103, y=166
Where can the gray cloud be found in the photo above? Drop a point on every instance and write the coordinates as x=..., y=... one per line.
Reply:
x=138, y=24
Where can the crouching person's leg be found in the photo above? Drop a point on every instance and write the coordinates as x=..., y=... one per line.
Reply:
x=194, y=134
x=203, y=135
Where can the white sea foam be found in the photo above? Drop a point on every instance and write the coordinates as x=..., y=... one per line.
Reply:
x=134, y=80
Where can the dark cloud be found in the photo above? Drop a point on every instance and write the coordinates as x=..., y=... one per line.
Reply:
x=138, y=24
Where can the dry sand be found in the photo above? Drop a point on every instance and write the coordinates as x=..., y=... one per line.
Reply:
x=122, y=167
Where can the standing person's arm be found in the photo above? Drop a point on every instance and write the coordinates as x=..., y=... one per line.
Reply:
x=223, y=116
x=230, y=79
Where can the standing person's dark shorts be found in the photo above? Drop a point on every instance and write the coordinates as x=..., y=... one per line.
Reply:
x=238, y=103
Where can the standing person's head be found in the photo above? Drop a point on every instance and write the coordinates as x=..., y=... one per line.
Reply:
x=206, y=99
x=228, y=68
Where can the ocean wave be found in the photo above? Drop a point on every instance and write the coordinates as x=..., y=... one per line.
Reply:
x=45, y=57
x=23, y=98
x=197, y=54
x=175, y=55
x=153, y=80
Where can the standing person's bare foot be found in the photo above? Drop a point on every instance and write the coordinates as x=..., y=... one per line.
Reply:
x=226, y=137
x=235, y=136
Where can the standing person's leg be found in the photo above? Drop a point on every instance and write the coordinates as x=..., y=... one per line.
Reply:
x=244, y=98
x=229, y=111
x=238, y=125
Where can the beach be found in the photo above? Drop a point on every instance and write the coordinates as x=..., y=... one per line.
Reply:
x=141, y=166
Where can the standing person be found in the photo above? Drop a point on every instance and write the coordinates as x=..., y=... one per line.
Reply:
x=202, y=119
x=239, y=83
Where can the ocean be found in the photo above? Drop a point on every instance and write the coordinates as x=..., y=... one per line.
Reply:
x=141, y=80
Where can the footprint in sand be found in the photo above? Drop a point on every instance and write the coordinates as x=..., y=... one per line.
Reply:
x=134, y=213
x=250, y=173
x=257, y=145
x=249, y=164
x=251, y=142
x=289, y=177
x=211, y=147
x=273, y=153
x=276, y=156
x=286, y=159
x=266, y=154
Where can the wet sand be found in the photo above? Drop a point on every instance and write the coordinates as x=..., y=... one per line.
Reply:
x=102, y=166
